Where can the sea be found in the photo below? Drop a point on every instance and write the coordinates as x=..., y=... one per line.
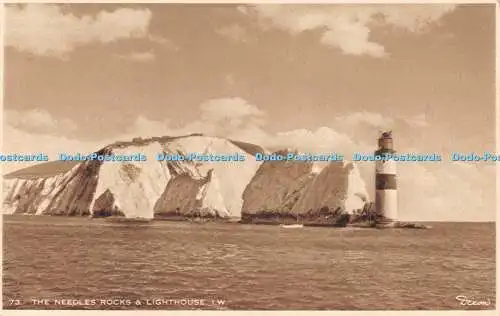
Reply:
x=52, y=262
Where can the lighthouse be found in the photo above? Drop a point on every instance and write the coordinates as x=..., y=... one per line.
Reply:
x=386, y=194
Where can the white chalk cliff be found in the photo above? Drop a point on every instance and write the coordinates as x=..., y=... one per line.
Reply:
x=155, y=188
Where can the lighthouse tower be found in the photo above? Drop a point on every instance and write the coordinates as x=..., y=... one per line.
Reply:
x=386, y=198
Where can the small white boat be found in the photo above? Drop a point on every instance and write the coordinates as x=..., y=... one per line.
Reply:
x=292, y=226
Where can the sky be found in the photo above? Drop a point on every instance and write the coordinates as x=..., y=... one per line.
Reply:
x=318, y=78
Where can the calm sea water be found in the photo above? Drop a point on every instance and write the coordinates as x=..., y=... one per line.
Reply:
x=92, y=264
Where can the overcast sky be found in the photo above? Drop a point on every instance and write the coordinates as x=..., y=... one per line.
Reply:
x=318, y=78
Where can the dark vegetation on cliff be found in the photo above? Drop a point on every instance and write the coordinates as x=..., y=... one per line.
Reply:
x=249, y=148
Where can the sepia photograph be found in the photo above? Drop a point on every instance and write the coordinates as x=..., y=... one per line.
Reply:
x=249, y=156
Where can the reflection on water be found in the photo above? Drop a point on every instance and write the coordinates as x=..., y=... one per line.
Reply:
x=244, y=266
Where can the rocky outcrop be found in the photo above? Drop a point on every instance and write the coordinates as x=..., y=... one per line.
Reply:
x=276, y=188
x=182, y=197
x=304, y=191
x=225, y=189
x=134, y=186
x=70, y=193
x=105, y=206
